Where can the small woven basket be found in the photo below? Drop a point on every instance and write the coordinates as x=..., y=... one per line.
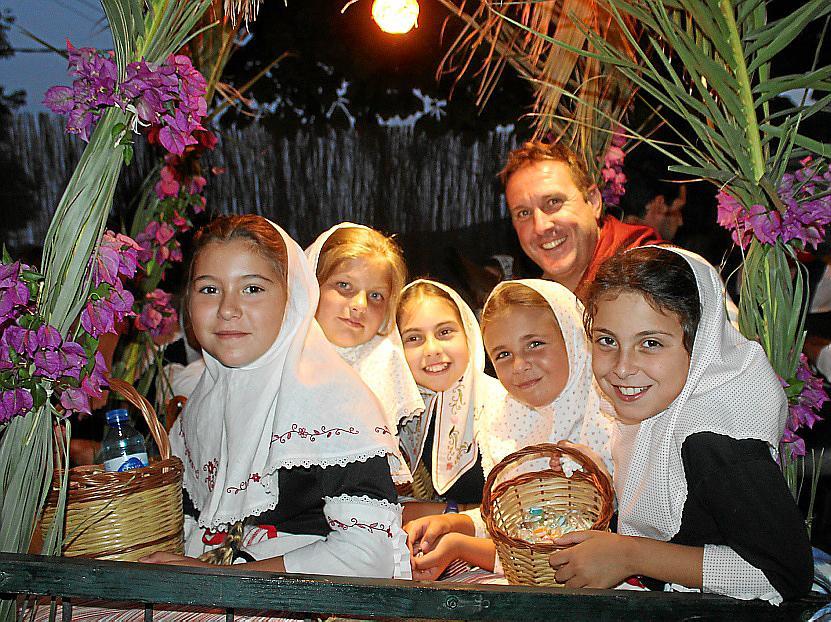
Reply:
x=504, y=506
x=123, y=516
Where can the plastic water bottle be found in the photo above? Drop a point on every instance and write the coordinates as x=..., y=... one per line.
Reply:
x=123, y=447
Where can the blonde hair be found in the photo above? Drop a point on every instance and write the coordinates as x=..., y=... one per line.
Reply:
x=538, y=151
x=419, y=292
x=356, y=242
x=513, y=295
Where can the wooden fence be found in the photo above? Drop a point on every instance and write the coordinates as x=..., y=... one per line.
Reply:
x=395, y=179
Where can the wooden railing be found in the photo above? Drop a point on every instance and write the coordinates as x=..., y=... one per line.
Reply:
x=234, y=588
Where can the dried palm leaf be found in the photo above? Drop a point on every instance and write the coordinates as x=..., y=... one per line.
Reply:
x=578, y=100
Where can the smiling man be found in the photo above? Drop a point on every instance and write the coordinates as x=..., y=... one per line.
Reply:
x=557, y=213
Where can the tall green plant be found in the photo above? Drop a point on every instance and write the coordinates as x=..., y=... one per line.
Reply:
x=149, y=30
x=708, y=62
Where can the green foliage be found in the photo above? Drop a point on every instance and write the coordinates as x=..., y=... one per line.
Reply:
x=26, y=443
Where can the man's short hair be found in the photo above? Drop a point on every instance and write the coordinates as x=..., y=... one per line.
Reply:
x=538, y=151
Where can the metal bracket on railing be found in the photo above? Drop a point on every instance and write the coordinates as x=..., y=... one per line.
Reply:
x=466, y=604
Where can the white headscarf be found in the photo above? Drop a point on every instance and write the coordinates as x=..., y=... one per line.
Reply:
x=731, y=389
x=380, y=362
x=455, y=449
x=578, y=414
x=298, y=404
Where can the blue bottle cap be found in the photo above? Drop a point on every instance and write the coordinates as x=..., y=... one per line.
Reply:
x=117, y=415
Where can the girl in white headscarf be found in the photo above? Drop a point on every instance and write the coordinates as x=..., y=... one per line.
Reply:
x=443, y=347
x=533, y=333
x=361, y=273
x=700, y=413
x=281, y=440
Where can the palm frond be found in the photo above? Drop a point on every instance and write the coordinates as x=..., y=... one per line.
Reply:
x=522, y=34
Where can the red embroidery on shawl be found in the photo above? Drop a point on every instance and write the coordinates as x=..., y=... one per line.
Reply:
x=213, y=538
x=187, y=453
x=371, y=527
x=312, y=436
x=254, y=477
x=210, y=468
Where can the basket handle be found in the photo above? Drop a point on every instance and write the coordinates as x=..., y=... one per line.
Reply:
x=129, y=393
x=545, y=450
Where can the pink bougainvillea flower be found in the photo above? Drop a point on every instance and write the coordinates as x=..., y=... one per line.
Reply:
x=107, y=263
x=168, y=185
x=75, y=399
x=197, y=184
x=97, y=318
x=175, y=135
x=17, y=401
x=121, y=301
x=59, y=99
x=21, y=340
x=49, y=337
x=765, y=223
x=180, y=222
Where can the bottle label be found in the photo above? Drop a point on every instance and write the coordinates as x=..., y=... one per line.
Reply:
x=126, y=463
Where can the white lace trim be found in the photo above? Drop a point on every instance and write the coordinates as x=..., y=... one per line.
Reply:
x=222, y=519
x=365, y=500
x=333, y=461
x=408, y=412
x=403, y=567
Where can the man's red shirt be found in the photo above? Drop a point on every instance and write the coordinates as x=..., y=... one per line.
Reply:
x=616, y=236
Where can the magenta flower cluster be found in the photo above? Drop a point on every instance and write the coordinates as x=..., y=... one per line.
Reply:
x=804, y=408
x=170, y=95
x=35, y=360
x=158, y=316
x=109, y=302
x=806, y=216
x=614, y=179
x=158, y=241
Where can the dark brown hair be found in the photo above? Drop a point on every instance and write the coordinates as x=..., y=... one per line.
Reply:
x=264, y=238
x=662, y=277
x=420, y=291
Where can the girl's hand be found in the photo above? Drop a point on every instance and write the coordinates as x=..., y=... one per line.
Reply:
x=429, y=566
x=598, y=559
x=172, y=559
x=424, y=533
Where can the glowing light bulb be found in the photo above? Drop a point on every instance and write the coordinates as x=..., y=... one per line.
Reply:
x=395, y=16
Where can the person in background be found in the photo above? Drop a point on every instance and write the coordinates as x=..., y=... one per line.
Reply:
x=654, y=203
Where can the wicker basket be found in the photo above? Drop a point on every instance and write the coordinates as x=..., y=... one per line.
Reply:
x=123, y=516
x=504, y=505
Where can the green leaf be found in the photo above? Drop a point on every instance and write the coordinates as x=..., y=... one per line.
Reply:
x=117, y=130
x=30, y=321
x=128, y=154
x=773, y=38
x=39, y=395
x=819, y=148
